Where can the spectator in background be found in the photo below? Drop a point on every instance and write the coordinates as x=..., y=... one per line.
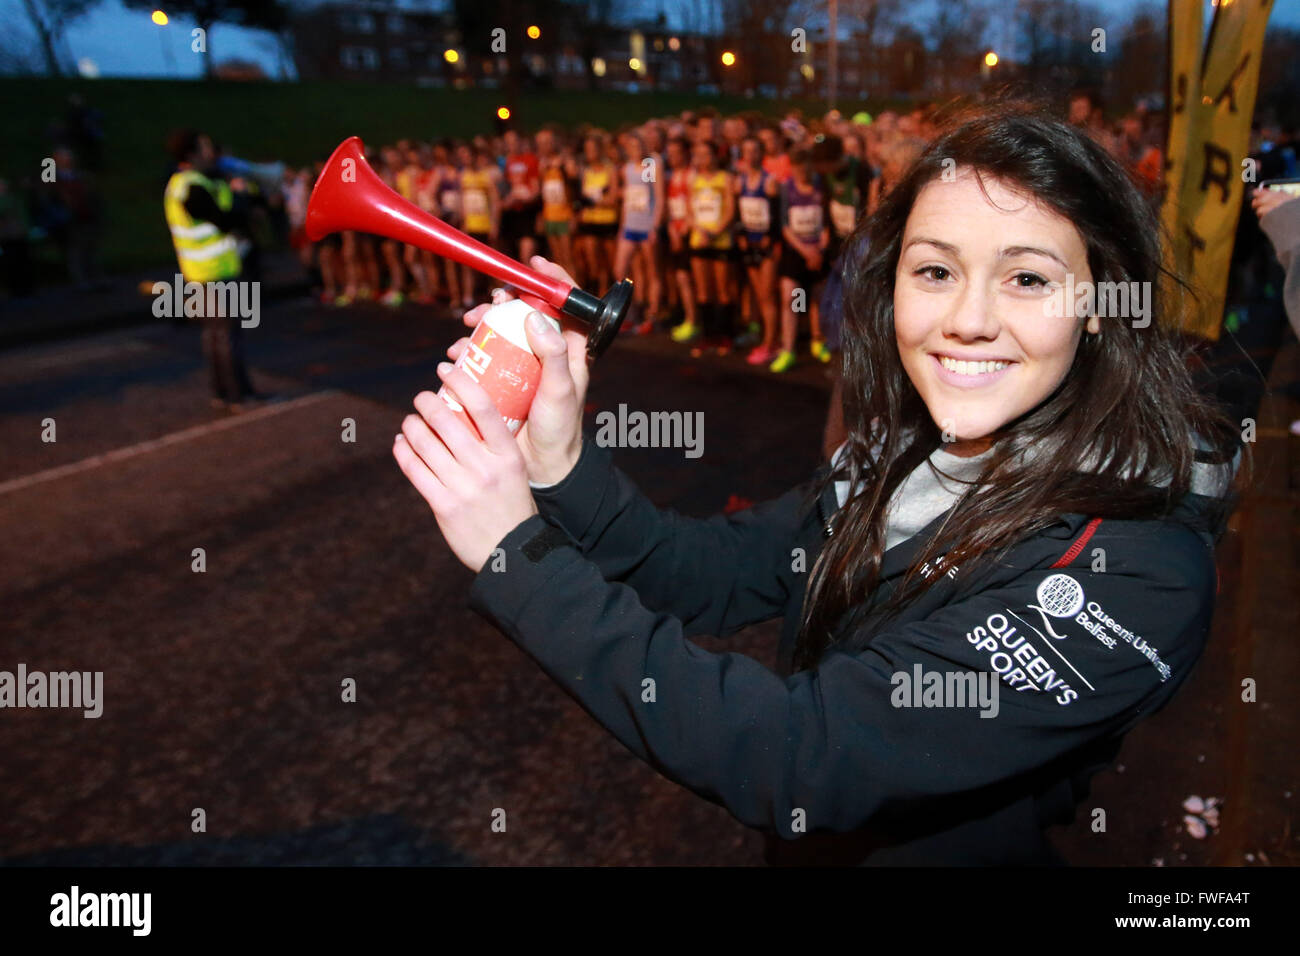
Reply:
x=1085, y=111
x=1279, y=217
x=78, y=198
x=1134, y=150
x=896, y=157
x=83, y=130
x=15, y=251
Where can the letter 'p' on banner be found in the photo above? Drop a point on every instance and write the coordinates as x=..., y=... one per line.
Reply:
x=1212, y=88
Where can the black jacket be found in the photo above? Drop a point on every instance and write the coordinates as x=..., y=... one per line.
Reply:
x=602, y=589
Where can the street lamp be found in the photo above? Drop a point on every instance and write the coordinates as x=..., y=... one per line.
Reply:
x=160, y=19
x=989, y=62
x=728, y=58
x=534, y=32
x=451, y=56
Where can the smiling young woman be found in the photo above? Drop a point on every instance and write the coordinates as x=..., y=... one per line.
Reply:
x=1027, y=498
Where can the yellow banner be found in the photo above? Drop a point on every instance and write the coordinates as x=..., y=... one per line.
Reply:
x=1212, y=99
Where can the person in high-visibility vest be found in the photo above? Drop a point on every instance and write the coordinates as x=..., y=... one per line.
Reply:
x=202, y=216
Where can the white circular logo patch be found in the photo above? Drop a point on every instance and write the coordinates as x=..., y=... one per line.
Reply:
x=1060, y=596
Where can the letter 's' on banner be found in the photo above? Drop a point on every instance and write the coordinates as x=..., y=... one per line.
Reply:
x=1211, y=101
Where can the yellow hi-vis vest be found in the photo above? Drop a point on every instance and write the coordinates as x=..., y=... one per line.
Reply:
x=205, y=253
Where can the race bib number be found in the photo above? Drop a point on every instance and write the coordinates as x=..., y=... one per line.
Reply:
x=806, y=221
x=636, y=197
x=678, y=208
x=476, y=203
x=706, y=204
x=520, y=191
x=755, y=213
x=593, y=191
x=553, y=192
x=451, y=201
x=843, y=217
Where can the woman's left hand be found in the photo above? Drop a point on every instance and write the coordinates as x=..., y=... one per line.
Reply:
x=478, y=490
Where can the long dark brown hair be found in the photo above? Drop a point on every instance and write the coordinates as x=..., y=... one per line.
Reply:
x=1118, y=438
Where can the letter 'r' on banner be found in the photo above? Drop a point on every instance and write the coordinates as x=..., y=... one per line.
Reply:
x=1211, y=100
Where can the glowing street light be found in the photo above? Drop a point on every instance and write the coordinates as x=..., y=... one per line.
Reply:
x=990, y=58
x=159, y=18
x=451, y=56
x=503, y=112
x=598, y=66
x=534, y=32
x=634, y=65
x=674, y=43
x=728, y=58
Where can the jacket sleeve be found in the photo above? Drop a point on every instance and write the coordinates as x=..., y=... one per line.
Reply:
x=835, y=742
x=1282, y=226
x=715, y=575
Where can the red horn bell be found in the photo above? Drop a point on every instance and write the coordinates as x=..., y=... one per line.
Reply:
x=349, y=195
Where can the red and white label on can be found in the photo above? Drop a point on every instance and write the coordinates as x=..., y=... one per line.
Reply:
x=499, y=359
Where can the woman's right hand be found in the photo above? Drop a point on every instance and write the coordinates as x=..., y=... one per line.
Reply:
x=551, y=438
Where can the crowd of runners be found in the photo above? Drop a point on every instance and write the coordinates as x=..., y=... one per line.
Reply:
x=730, y=227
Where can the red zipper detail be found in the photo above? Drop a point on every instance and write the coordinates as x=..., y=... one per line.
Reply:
x=1081, y=543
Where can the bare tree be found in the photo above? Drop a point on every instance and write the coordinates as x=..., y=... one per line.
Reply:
x=958, y=29
x=51, y=19
x=872, y=23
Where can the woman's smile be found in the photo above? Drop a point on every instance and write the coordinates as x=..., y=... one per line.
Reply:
x=971, y=372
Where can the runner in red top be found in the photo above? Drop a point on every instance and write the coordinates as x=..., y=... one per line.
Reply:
x=523, y=203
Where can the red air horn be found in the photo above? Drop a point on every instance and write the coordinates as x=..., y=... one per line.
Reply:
x=349, y=195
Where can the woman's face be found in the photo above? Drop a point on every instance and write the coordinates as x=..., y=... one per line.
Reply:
x=971, y=315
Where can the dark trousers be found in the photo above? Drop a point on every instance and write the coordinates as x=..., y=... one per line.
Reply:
x=224, y=348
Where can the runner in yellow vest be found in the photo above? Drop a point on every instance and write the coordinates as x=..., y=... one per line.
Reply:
x=481, y=210
x=712, y=208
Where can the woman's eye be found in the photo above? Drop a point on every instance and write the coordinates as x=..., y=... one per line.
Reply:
x=1030, y=280
x=938, y=273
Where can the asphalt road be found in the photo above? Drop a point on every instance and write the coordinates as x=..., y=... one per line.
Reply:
x=222, y=688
